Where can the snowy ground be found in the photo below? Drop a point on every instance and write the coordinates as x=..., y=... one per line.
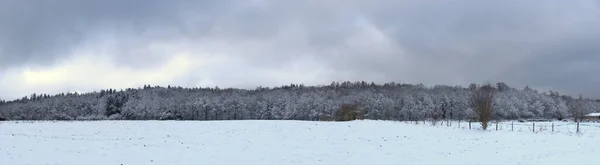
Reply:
x=284, y=142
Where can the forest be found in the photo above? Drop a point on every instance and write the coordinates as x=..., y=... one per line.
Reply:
x=389, y=101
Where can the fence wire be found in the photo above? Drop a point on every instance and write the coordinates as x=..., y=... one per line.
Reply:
x=516, y=126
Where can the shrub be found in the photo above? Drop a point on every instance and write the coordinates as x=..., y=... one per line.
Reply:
x=326, y=118
x=90, y=117
x=170, y=116
x=348, y=112
x=115, y=117
x=60, y=116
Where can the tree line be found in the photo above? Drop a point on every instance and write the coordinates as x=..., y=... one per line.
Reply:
x=389, y=101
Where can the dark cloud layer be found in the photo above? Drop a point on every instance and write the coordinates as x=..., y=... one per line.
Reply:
x=546, y=44
x=41, y=31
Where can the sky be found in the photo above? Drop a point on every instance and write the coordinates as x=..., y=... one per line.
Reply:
x=53, y=46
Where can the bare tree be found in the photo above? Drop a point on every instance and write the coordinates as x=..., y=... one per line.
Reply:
x=576, y=109
x=435, y=116
x=482, y=101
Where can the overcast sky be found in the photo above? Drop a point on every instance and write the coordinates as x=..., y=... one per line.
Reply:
x=52, y=46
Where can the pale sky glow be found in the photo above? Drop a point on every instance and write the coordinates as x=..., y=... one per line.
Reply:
x=94, y=72
x=86, y=45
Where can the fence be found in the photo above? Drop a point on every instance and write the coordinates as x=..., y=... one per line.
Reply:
x=516, y=126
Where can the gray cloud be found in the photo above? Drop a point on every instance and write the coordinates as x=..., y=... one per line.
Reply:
x=550, y=45
x=40, y=31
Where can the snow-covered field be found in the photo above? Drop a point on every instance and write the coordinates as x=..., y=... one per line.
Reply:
x=284, y=142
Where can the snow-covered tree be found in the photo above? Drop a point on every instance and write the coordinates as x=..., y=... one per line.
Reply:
x=390, y=101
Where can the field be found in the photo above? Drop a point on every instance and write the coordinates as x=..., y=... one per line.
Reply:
x=291, y=142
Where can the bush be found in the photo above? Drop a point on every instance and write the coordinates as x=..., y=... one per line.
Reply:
x=349, y=112
x=326, y=118
x=61, y=116
x=170, y=116
x=115, y=117
x=90, y=117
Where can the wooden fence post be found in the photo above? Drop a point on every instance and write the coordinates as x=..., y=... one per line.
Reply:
x=552, y=127
x=533, y=127
x=469, y=124
x=512, y=126
x=496, y=126
x=577, y=126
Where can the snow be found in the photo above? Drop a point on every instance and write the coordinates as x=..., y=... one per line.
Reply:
x=593, y=114
x=286, y=142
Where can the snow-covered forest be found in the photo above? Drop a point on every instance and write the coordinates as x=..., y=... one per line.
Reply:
x=390, y=101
